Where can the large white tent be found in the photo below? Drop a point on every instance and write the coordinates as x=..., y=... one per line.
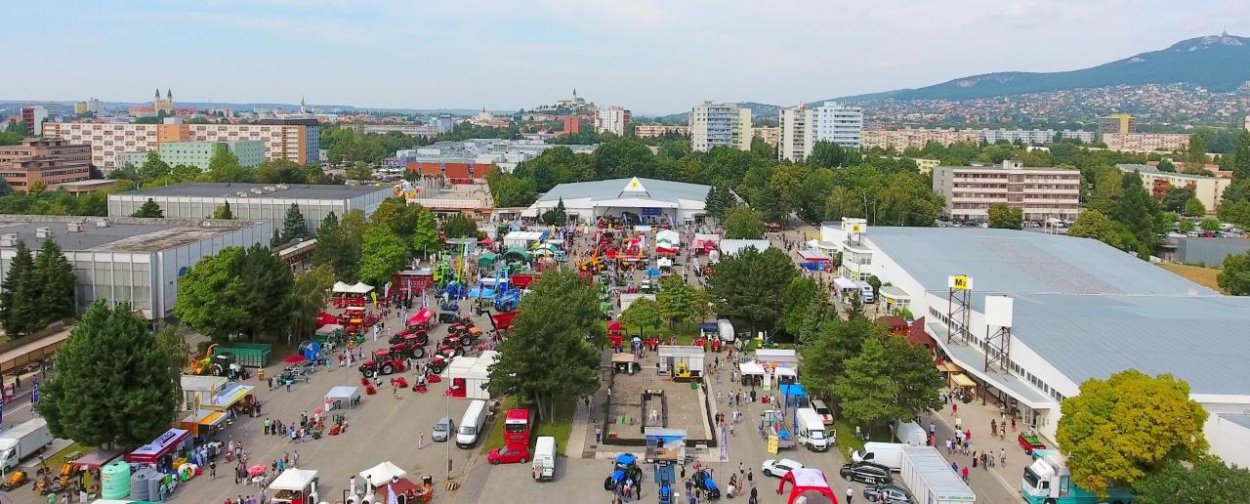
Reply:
x=294, y=480
x=382, y=473
x=654, y=201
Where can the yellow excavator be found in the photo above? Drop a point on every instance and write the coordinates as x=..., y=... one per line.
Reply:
x=204, y=366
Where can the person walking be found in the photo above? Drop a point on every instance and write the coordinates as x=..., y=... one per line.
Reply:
x=850, y=495
x=421, y=440
x=1002, y=456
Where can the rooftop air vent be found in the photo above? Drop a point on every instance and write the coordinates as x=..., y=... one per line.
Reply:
x=101, y=223
x=242, y=194
x=74, y=227
x=283, y=186
x=43, y=232
x=257, y=190
x=270, y=188
x=8, y=240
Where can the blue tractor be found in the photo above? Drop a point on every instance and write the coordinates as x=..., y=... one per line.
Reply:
x=508, y=301
x=624, y=467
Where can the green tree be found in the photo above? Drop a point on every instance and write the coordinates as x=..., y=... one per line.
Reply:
x=915, y=379
x=749, y=286
x=875, y=283
x=1005, y=217
x=1165, y=165
x=19, y=294
x=743, y=223
x=337, y=248
x=826, y=154
x=1209, y=224
x=359, y=171
x=556, y=216
x=1241, y=156
x=54, y=277
x=382, y=252
x=308, y=297
x=1195, y=208
x=866, y=392
x=177, y=354
x=153, y=167
x=398, y=215
x=237, y=291
x=425, y=237
x=1234, y=278
x=641, y=315
x=677, y=301
x=1093, y=224
x=1118, y=431
x=224, y=167
x=801, y=295
x=1196, y=154
x=712, y=204
x=1174, y=198
x=1139, y=213
x=223, y=212
x=149, y=210
x=459, y=226
x=293, y=225
x=85, y=400
x=548, y=358
x=1207, y=481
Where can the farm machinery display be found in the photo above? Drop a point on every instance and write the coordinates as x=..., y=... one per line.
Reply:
x=384, y=362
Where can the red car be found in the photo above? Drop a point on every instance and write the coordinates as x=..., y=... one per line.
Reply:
x=508, y=456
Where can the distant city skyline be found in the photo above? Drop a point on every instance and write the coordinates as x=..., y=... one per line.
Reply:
x=649, y=56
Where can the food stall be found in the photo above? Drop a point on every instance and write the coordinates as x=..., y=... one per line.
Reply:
x=422, y=319
x=293, y=486
x=382, y=474
x=814, y=261
x=342, y=396
x=161, y=451
x=752, y=373
x=467, y=377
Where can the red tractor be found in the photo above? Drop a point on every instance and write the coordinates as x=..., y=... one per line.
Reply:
x=449, y=350
x=410, y=348
x=437, y=364
x=384, y=362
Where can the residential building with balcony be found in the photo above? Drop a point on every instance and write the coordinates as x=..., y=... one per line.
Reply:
x=1146, y=142
x=802, y=127
x=1208, y=189
x=1041, y=193
x=613, y=119
x=901, y=140
x=33, y=118
x=1116, y=123
x=51, y=161
x=658, y=130
x=720, y=125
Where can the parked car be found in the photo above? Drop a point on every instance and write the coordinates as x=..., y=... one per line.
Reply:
x=888, y=494
x=778, y=468
x=703, y=479
x=508, y=456
x=826, y=416
x=442, y=430
x=865, y=472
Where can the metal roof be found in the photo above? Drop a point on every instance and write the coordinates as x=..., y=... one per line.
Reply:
x=1200, y=339
x=286, y=191
x=122, y=234
x=662, y=190
x=1239, y=419
x=1011, y=261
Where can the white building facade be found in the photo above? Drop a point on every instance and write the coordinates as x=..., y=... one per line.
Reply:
x=720, y=125
x=613, y=119
x=802, y=127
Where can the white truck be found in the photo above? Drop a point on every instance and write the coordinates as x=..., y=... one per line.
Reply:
x=812, y=430
x=726, y=330
x=544, y=466
x=911, y=433
x=23, y=441
x=886, y=454
x=930, y=478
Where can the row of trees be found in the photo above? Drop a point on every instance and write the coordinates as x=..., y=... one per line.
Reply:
x=344, y=145
x=37, y=290
x=224, y=166
x=1119, y=212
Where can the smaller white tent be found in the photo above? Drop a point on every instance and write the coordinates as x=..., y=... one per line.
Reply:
x=361, y=288
x=382, y=473
x=294, y=480
x=474, y=371
x=751, y=369
x=342, y=288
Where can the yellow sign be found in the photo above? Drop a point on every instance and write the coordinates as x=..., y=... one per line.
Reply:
x=772, y=444
x=960, y=282
x=855, y=229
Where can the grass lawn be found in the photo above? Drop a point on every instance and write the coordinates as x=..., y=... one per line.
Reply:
x=848, y=443
x=559, y=427
x=1196, y=274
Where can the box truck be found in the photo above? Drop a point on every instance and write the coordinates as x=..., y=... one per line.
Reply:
x=23, y=441
x=1048, y=481
x=911, y=433
x=930, y=478
x=812, y=431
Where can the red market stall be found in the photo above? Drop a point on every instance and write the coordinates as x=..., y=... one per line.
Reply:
x=412, y=282
x=422, y=319
x=169, y=443
x=346, y=295
x=804, y=481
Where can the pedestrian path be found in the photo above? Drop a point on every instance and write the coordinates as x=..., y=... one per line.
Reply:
x=1003, y=481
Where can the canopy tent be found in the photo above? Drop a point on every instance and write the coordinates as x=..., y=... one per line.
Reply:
x=664, y=262
x=516, y=254
x=774, y=357
x=751, y=368
x=96, y=458
x=962, y=380
x=486, y=259
x=785, y=372
x=382, y=474
x=653, y=272
x=293, y=480
x=348, y=394
x=843, y=283
x=169, y=442
x=808, y=256
x=342, y=287
x=668, y=236
x=361, y=288
x=803, y=481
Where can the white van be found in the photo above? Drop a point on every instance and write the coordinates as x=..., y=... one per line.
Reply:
x=471, y=425
x=865, y=294
x=544, y=458
x=812, y=431
x=886, y=454
x=911, y=433
x=726, y=329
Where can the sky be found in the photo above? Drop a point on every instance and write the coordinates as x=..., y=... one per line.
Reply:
x=651, y=56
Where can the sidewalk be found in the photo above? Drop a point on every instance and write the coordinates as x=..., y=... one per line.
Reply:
x=1003, y=481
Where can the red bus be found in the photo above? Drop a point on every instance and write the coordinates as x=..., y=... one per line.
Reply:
x=517, y=428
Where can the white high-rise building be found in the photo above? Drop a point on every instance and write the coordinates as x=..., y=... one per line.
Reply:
x=720, y=124
x=614, y=120
x=802, y=127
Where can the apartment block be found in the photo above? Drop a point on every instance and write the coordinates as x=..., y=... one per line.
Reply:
x=720, y=125
x=291, y=139
x=613, y=119
x=1041, y=193
x=48, y=160
x=416, y=130
x=33, y=118
x=1146, y=142
x=658, y=130
x=1116, y=123
x=901, y=140
x=802, y=127
x=1207, y=189
x=770, y=136
x=1035, y=136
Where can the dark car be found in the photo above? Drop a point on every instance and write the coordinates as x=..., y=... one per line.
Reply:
x=889, y=494
x=703, y=479
x=866, y=472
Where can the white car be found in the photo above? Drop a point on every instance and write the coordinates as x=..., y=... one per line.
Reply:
x=779, y=468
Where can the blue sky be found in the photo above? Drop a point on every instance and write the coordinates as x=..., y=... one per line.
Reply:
x=652, y=56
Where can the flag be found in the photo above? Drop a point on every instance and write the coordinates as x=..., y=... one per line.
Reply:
x=391, y=498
